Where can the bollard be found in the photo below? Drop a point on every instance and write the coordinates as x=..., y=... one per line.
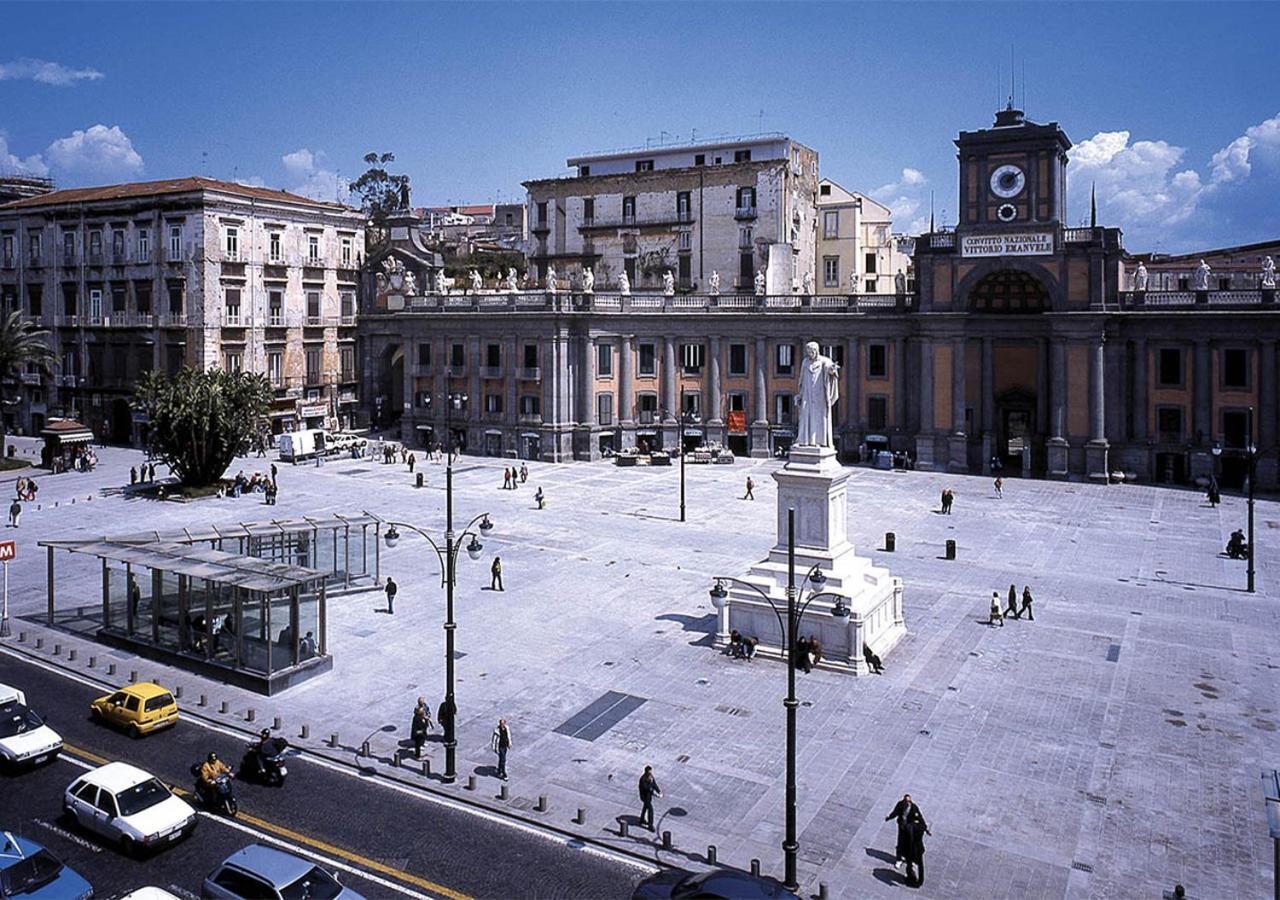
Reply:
x=204, y=700
x=224, y=706
x=93, y=662
x=111, y=668
x=890, y=541
x=333, y=740
x=22, y=637
x=177, y=692
x=275, y=723
x=822, y=890
x=624, y=829
x=250, y=714
x=755, y=867
x=666, y=840
x=711, y=854
x=57, y=649
x=419, y=479
x=133, y=676
x=364, y=749
x=951, y=549
x=581, y=817
x=39, y=643
x=395, y=760
x=426, y=770
x=542, y=803
x=305, y=733
x=471, y=782
x=71, y=654
x=504, y=793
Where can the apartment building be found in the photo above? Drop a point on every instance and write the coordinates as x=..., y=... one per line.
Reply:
x=857, y=249
x=732, y=207
x=155, y=275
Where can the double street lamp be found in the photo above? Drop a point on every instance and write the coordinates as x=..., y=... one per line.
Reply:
x=448, y=558
x=687, y=417
x=795, y=614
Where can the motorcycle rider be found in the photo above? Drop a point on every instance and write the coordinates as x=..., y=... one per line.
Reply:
x=212, y=769
x=265, y=747
x=1237, y=547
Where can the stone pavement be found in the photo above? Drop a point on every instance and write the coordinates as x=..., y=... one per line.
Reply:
x=1110, y=748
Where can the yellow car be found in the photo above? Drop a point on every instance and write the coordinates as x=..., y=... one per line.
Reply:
x=139, y=709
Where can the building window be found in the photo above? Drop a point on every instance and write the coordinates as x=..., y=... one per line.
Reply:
x=275, y=368
x=347, y=302
x=233, y=360
x=588, y=210
x=746, y=269
x=118, y=304
x=877, y=361
x=68, y=248
x=346, y=252
x=742, y=156
x=177, y=298
x=648, y=359
x=70, y=301
x=1169, y=424
x=1169, y=367
x=313, y=248
x=604, y=361
x=833, y=352
x=782, y=406
x=584, y=171
x=870, y=260
x=175, y=243
x=273, y=246
x=457, y=356
x=68, y=241
x=493, y=356
x=493, y=403
x=542, y=213
x=700, y=159
x=628, y=210
x=870, y=286
x=684, y=206
x=747, y=201
x=831, y=271
x=1235, y=428
x=647, y=407
x=738, y=359
x=424, y=354
x=644, y=165
x=684, y=269
x=275, y=307
x=824, y=190
x=530, y=356
x=33, y=245
x=604, y=409
x=831, y=223
x=35, y=299
x=877, y=412
x=347, y=362
x=144, y=245
x=95, y=303
x=313, y=366
x=746, y=237
x=1235, y=370
x=685, y=241
x=233, y=306
x=784, y=358
x=95, y=246
x=117, y=245
x=313, y=307
x=231, y=242
x=530, y=405
x=737, y=401
x=691, y=358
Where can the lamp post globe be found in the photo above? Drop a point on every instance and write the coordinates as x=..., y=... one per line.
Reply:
x=474, y=548
x=392, y=537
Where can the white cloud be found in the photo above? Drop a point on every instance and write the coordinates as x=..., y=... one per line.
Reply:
x=308, y=177
x=97, y=152
x=905, y=197
x=12, y=164
x=1138, y=184
x=252, y=181
x=46, y=72
x=1232, y=161
x=910, y=178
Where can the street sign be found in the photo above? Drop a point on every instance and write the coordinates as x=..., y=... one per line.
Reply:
x=8, y=550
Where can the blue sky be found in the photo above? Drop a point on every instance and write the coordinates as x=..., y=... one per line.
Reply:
x=1174, y=108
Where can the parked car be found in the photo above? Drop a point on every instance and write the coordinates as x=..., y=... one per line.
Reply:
x=259, y=872
x=128, y=806
x=139, y=708
x=716, y=883
x=25, y=739
x=149, y=892
x=29, y=870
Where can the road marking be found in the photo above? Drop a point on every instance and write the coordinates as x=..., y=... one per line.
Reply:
x=294, y=840
x=530, y=828
x=70, y=836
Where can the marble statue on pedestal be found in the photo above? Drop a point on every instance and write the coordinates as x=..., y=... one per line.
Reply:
x=588, y=281
x=551, y=279
x=807, y=283
x=668, y=283
x=818, y=391
x=442, y=283
x=760, y=283
x=1268, y=280
x=512, y=282
x=410, y=284
x=1140, y=278
x=477, y=283
x=624, y=284
x=853, y=282
x=900, y=283
x=1201, y=282
x=715, y=282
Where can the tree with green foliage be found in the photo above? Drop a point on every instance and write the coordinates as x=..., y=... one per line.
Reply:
x=22, y=345
x=380, y=192
x=201, y=420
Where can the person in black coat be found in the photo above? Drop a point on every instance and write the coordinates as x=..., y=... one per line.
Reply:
x=420, y=726
x=905, y=812
x=916, y=831
x=648, y=790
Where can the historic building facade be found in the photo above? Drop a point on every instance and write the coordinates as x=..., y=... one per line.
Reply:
x=857, y=251
x=154, y=275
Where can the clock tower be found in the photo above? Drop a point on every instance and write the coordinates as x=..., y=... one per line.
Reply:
x=1012, y=174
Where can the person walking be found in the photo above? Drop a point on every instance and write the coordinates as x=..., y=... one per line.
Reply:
x=133, y=475
x=648, y=790
x=1026, y=602
x=905, y=812
x=999, y=488
x=500, y=743
x=1013, y=603
x=495, y=575
x=524, y=472
x=15, y=513
x=803, y=660
x=274, y=473
x=540, y=498
x=391, y=595
x=151, y=473
x=413, y=461
x=751, y=486
x=506, y=478
x=916, y=830
x=996, y=615
x=420, y=726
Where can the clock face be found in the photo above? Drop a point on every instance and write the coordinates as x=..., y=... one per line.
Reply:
x=1007, y=212
x=1008, y=181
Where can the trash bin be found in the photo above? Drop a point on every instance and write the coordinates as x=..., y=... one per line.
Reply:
x=419, y=479
x=951, y=549
x=890, y=541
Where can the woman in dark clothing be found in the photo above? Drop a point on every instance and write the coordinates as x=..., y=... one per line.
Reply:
x=420, y=726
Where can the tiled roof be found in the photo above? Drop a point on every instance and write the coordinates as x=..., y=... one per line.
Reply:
x=157, y=188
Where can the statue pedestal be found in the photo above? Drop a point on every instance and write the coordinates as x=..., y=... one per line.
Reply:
x=1096, y=462
x=1056, y=457
x=813, y=483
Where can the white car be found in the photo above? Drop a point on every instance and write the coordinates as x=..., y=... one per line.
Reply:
x=25, y=740
x=129, y=806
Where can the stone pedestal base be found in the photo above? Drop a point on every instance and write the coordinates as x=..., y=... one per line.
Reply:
x=986, y=454
x=586, y=447
x=813, y=484
x=1056, y=457
x=958, y=445
x=1096, y=462
x=925, y=461
x=760, y=441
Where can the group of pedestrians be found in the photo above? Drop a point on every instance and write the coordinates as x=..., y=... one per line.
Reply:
x=1014, y=611
x=145, y=473
x=512, y=477
x=909, y=848
x=948, y=498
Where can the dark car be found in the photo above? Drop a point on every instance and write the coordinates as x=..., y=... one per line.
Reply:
x=727, y=884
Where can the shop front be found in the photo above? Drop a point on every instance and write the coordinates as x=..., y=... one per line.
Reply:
x=313, y=415
x=530, y=445
x=492, y=442
x=64, y=441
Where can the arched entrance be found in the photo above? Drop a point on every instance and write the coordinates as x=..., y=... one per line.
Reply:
x=1009, y=291
x=121, y=421
x=1015, y=430
x=389, y=401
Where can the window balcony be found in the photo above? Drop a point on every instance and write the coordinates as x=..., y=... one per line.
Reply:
x=491, y=371
x=275, y=320
x=528, y=373
x=745, y=212
x=647, y=417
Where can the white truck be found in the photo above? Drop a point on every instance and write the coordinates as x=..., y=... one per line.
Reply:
x=309, y=443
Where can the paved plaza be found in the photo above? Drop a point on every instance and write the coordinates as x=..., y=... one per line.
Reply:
x=1110, y=748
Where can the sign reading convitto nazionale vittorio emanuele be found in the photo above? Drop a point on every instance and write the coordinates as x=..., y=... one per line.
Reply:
x=1022, y=243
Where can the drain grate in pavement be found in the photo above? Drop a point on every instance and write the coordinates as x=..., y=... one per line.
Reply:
x=1113, y=653
x=1081, y=866
x=734, y=711
x=600, y=715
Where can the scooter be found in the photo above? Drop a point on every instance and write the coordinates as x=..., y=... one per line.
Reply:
x=1238, y=551
x=268, y=765
x=219, y=798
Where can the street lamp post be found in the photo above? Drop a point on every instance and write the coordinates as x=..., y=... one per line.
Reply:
x=448, y=557
x=1253, y=471
x=687, y=417
x=814, y=577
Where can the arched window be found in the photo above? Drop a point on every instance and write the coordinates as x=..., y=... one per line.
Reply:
x=1008, y=291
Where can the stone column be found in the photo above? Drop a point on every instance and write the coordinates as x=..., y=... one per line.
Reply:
x=853, y=401
x=511, y=387
x=1057, y=445
x=924, y=438
x=669, y=408
x=407, y=412
x=585, y=445
x=760, y=402
x=1267, y=413
x=1201, y=426
x=899, y=363
x=987, y=402
x=959, y=440
x=1141, y=414
x=626, y=387
x=1097, y=465
x=475, y=399
x=715, y=391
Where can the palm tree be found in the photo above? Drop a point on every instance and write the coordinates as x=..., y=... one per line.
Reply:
x=22, y=344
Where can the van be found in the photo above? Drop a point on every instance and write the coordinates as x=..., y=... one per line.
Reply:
x=11, y=695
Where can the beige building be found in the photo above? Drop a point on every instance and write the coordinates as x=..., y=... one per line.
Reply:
x=153, y=275
x=731, y=207
x=857, y=251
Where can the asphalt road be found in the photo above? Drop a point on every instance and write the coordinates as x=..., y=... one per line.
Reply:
x=384, y=841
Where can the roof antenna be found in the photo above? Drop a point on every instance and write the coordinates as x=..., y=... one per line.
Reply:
x=204, y=163
x=931, y=228
x=1024, y=85
x=760, y=119
x=999, y=78
x=1012, y=88
x=1093, y=205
